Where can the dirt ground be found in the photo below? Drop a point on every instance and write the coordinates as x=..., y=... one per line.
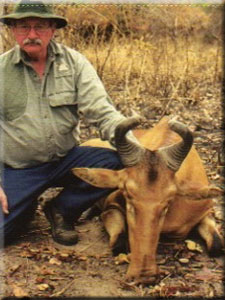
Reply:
x=35, y=266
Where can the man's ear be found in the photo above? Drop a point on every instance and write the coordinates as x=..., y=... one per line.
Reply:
x=102, y=178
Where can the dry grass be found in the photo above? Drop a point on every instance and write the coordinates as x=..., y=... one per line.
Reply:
x=153, y=54
x=157, y=72
x=147, y=53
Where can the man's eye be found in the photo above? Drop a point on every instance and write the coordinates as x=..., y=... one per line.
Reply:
x=39, y=27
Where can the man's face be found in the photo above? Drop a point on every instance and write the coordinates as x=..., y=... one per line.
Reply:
x=33, y=35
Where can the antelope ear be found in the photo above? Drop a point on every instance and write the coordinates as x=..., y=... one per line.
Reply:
x=102, y=178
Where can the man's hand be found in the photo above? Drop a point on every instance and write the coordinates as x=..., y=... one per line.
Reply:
x=3, y=201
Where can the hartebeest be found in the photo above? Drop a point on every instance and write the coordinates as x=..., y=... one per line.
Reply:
x=163, y=190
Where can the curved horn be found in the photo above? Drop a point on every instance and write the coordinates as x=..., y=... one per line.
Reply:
x=130, y=151
x=174, y=155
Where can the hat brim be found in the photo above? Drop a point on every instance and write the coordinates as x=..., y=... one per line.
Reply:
x=60, y=21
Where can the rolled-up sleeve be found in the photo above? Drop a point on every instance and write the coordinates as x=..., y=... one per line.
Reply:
x=95, y=104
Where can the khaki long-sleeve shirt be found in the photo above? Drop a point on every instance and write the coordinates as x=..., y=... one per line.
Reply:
x=39, y=118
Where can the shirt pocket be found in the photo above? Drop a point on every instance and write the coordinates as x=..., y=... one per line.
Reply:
x=13, y=107
x=64, y=111
x=64, y=81
x=14, y=96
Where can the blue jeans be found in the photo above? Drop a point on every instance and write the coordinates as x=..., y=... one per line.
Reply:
x=23, y=186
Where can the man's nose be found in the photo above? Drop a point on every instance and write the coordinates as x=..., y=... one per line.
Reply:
x=32, y=33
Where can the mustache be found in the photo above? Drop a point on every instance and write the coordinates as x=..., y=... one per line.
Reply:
x=32, y=42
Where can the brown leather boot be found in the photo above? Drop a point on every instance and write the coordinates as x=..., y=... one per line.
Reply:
x=62, y=229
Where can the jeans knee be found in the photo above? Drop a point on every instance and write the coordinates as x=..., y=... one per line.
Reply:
x=112, y=161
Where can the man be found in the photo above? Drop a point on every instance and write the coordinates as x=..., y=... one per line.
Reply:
x=45, y=87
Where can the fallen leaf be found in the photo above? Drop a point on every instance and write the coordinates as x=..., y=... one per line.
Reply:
x=64, y=255
x=211, y=293
x=184, y=260
x=55, y=261
x=24, y=245
x=27, y=254
x=121, y=259
x=82, y=257
x=18, y=291
x=40, y=279
x=43, y=286
x=193, y=246
x=162, y=261
x=46, y=271
x=34, y=250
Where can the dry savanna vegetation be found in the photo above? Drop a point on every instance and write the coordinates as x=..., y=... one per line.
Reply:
x=156, y=60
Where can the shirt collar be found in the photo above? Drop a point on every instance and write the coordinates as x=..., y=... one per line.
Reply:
x=55, y=48
x=53, y=51
x=17, y=55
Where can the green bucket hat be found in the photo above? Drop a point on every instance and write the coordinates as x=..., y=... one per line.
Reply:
x=32, y=8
